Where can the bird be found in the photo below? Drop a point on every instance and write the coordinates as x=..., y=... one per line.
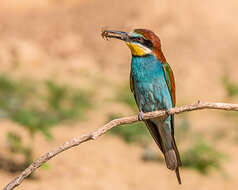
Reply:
x=153, y=86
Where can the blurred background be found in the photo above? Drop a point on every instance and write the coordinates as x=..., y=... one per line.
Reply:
x=60, y=79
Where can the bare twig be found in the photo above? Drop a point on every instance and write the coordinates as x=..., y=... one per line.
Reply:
x=116, y=122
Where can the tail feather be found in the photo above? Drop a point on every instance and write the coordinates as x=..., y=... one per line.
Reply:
x=171, y=159
x=171, y=155
x=178, y=175
x=172, y=162
x=177, y=153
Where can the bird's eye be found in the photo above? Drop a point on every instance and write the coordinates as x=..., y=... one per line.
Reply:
x=140, y=39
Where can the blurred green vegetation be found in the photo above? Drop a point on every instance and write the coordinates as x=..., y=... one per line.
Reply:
x=37, y=111
x=202, y=156
x=230, y=87
x=16, y=146
x=38, y=107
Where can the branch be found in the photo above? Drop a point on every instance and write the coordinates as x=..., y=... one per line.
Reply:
x=116, y=122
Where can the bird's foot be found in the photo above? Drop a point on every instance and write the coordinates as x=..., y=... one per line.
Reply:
x=168, y=112
x=140, y=116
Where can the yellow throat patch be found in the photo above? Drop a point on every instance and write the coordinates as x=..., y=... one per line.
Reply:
x=138, y=50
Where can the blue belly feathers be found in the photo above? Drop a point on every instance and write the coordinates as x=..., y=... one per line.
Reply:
x=150, y=86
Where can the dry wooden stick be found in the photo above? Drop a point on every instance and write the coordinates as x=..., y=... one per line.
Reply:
x=116, y=122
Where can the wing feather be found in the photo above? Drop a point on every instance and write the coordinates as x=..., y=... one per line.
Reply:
x=169, y=76
x=131, y=84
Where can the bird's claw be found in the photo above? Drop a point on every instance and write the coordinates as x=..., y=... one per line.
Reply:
x=168, y=112
x=140, y=116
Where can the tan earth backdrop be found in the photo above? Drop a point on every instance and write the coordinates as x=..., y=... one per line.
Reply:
x=60, y=40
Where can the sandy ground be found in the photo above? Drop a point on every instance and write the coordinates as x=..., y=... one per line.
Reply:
x=61, y=40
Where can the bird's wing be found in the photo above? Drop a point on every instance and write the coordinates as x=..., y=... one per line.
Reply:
x=131, y=84
x=132, y=88
x=169, y=76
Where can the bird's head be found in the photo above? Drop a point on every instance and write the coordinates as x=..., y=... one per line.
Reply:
x=142, y=42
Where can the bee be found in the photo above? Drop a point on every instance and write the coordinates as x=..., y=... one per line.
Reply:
x=104, y=33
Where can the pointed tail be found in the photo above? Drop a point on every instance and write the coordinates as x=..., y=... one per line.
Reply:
x=173, y=162
x=178, y=175
x=163, y=134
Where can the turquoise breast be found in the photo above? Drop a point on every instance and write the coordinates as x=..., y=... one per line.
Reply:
x=150, y=87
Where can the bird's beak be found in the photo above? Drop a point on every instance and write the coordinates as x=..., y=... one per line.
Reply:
x=115, y=34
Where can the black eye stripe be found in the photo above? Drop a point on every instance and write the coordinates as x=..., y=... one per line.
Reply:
x=136, y=39
x=143, y=41
x=148, y=44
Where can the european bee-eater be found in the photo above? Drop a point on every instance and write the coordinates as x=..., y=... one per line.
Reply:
x=152, y=83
